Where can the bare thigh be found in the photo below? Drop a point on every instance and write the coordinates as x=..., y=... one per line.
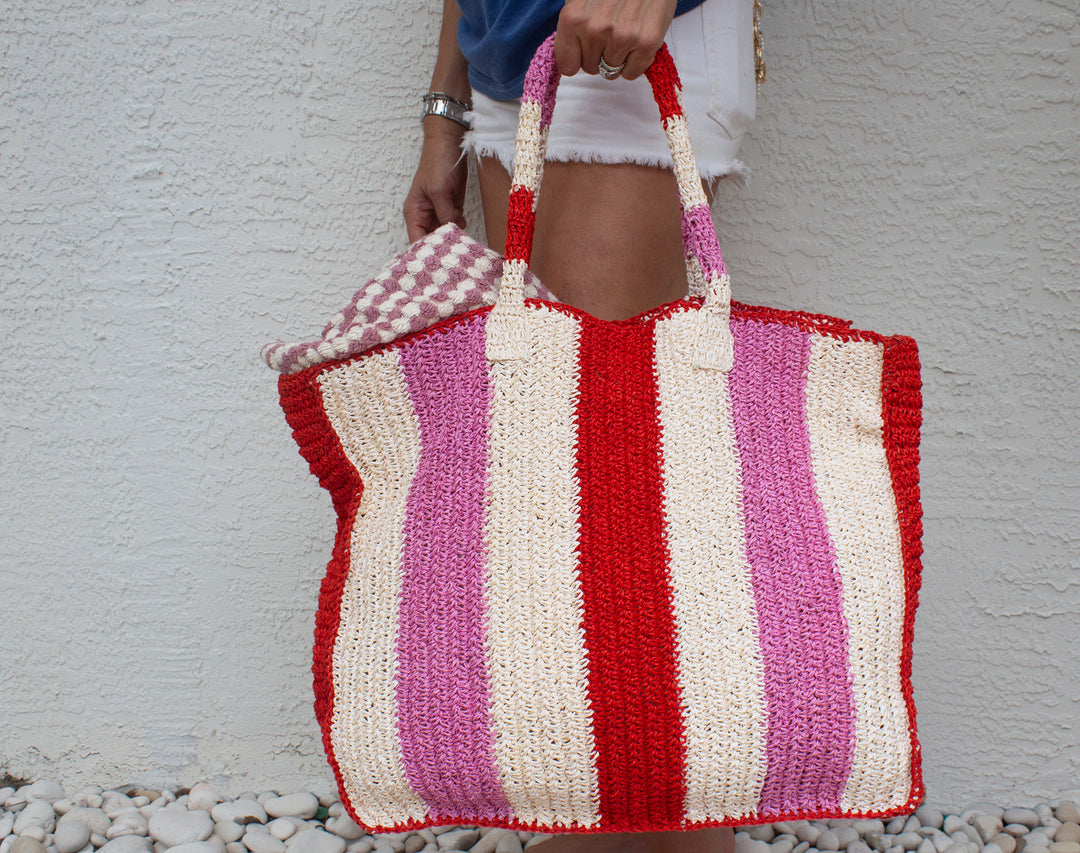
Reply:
x=608, y=236
x=609, y=241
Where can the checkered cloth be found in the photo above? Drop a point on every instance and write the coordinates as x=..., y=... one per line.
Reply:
x=444, y=274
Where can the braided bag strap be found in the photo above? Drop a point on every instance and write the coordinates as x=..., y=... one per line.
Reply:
x=706, y=273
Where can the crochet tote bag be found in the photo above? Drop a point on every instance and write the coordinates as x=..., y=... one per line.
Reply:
x=603, y=576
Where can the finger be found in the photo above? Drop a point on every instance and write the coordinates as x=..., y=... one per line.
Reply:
x=447, y=211
x=637, y=63
x=567, y=52
x=418, y=217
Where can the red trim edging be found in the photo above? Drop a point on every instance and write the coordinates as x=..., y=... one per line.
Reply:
x=301, y=400
x=901, y=401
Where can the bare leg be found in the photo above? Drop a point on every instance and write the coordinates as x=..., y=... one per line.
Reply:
x=608, y=240
x=608, y=237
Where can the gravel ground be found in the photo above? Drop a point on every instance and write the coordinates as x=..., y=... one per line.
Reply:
x=40, y=817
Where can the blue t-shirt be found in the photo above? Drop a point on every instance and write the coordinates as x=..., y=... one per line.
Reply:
x=499, y=37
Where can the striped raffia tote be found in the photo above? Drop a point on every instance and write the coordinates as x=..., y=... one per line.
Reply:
x=600, y=576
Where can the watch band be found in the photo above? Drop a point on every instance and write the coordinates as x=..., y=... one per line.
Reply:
x=447, y=106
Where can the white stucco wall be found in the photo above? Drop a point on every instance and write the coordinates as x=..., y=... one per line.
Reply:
x=180, y=182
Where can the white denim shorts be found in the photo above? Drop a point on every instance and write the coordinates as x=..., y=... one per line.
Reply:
x=617, y=121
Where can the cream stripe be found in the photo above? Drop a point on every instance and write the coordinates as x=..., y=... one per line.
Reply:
x=686, y=170
x=843, y=411
x=543, y=725
x=720, y=667
x=531, y=138
x=369, y=408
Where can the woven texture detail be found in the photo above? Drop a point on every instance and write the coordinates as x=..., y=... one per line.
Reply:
x=688, y=602
x=591, y=576
x=441, y=275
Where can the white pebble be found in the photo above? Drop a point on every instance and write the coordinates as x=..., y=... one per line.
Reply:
x=458, y=839
x=26, y=845
x=361, y=845
x=173, y=826
x=858, y=847
x=240, y=811
x=761, y=832
x=36, y=813
x=115, y=802
x=282, y=828
x=7, y=824
x=1065, y=847
x=343, y=826
x=1067, y=832
x=930, y=816
x=35, y=832
x=1067, y=812
x=316, y=841
x=140, y=801
x=262, y=842
x=235, y=847
x=509, y=844
x=414, y=844
x=203, y=796
x=301, y=804
x=98, y=840
x=228, y=831
x=987, y=826
x=489, y=842
x=45, y=789
x=941, y=841
x=1025, y=816
x=198, y=847
x=845, y=834
x=71, y=837
x=909, y=840
x=129, y=822
x=127, y=844
x=827, y=840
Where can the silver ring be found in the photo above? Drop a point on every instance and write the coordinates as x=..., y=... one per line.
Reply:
x=610, y=72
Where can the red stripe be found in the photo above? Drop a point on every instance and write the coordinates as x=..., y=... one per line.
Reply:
x=522, y=222
x=301, y=400
x=665, y=81
x=629, y=620
x=901, y=384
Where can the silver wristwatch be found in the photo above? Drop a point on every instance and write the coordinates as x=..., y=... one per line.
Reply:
x=447, y=106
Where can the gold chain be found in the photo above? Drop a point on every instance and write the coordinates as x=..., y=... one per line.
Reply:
x=759, y=44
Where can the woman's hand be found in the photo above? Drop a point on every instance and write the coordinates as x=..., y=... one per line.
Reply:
x=437, y=194
x=629, y=31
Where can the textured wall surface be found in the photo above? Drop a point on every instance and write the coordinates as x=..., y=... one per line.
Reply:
x=180, y=183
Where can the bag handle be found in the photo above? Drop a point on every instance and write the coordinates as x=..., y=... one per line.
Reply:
x=507, y=337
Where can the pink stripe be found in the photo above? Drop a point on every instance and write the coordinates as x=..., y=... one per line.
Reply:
x=699, y=238
x=797, y=589
x=444, y=718
x=542, y=80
